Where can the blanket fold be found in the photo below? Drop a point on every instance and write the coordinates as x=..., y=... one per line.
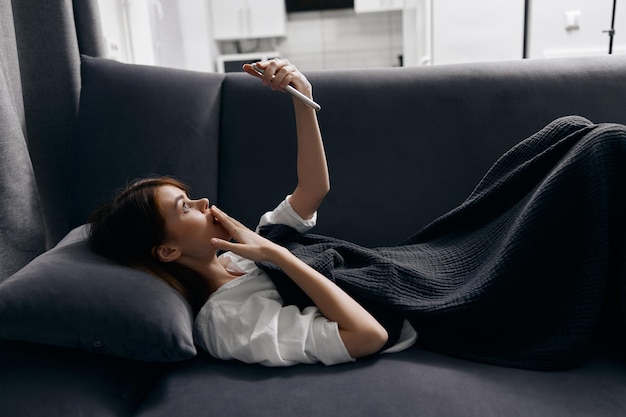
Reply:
x=517, y=274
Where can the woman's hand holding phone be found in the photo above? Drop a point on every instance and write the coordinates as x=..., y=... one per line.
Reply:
x=280, y=74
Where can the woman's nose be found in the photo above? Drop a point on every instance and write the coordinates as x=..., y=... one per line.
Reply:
x=203, y=204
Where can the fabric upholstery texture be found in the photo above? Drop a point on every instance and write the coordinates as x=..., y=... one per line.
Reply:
x=71, y=297
x=405, y=384
x=22, y=235
x=49, y=70
x=43, y=380
x=169, y=117
x=88, y=28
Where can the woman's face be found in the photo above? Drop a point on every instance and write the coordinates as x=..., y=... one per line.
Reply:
x=189, y=224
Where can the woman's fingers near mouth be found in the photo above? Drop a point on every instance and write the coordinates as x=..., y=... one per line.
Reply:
x=211, y=213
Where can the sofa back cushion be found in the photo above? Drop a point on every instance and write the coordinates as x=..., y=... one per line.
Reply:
x=137, y=121
x=22, y=236
x=417, y=139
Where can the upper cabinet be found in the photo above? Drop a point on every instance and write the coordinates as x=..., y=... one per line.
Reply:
x=364, y=6
x=246, y=19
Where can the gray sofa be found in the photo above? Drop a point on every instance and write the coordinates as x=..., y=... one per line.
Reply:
x=404, y=145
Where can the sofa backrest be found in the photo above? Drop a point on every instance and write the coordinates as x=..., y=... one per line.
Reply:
x=137, y=121
x=417, y=139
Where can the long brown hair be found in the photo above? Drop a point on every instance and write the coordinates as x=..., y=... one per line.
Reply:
x=127, y=229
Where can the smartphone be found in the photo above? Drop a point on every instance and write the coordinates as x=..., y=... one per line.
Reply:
x=293, y=91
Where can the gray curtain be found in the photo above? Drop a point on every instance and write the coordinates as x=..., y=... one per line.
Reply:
x=39, y=92
x=50, y=37
x=21, y=226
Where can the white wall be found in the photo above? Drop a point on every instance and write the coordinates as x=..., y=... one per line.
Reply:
x=198, y=47
x=140, y=31
x=478, y=30
x=549, y=38
x=131, y=34
x=417, y=32
x=113, y=29
x=487, y=30
x=127, y=42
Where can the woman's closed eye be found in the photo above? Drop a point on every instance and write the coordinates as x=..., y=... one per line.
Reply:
x=185, y=207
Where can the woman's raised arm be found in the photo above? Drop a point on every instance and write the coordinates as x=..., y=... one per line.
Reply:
x=312, y=169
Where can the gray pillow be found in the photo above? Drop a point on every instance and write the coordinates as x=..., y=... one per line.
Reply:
x=71, y=297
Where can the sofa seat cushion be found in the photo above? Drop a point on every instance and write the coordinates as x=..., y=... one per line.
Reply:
x=40, y=380
x=415, y=382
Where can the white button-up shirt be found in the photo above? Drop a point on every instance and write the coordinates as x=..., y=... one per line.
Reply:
x=245, y=318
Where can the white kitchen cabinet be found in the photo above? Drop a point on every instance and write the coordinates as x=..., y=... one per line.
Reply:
x=481, y=30
x=365, y=6
x=246, y=19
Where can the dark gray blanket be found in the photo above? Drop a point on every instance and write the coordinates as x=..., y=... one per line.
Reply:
x=518, y=274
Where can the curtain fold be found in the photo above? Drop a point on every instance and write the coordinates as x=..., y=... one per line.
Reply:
x=49, y=36
x=21, y=230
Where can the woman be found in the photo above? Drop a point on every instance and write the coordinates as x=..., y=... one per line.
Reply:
x=155, y=226
x=517, y=275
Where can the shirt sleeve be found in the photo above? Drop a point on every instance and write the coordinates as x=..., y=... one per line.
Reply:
x=285, y=214
x=262, y=330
